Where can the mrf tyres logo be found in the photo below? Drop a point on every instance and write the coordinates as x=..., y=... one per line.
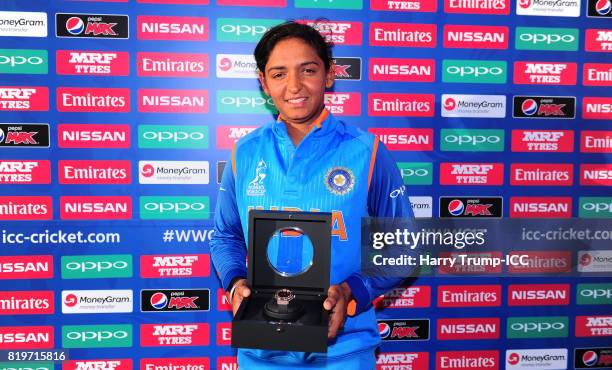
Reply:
x=343, y=103
x=467, y=207
x=402, y=360
x=25, y=172
x=554, y=107
x=553, y=141
x=173, y=300
x=92, y=25
x=403, y=330
x=95, y=63
x=594, y=326
x=471, y=173
x=24, y=98
x=544, y=73
x=338, y=32
x=598, y=40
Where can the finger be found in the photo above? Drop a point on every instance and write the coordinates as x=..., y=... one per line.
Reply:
x=243, y=291
x=332, y=298
x=335, y=321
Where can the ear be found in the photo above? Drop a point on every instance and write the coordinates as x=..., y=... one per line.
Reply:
x=264, y=85
x=330, y=76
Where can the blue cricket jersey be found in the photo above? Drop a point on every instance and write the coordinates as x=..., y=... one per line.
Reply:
x=335, y=168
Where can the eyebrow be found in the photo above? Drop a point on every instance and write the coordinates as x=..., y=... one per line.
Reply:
x=283, y=67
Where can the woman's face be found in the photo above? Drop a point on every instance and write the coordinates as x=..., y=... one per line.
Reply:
x=295, y=79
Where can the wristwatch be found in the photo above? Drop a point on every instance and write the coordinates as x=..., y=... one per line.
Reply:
x=283, y=297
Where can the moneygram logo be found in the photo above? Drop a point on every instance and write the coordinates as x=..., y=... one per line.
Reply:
x=422, y=208
x=402, y=360
x=466, y=140
x=599, y=8
x=172, y=101
x=593, y=326
x=156, y=300
x=538, y=294
x=474, y=71
x=553, y=107
x=174, y=265
x=26, y=337
x=596, y=141
x=103, y=266
x=546, y=8
x=467, y=360
x=94, y=63
x=25, y=172
x=93, y=99
x=338, y=32
x=22, y=98
x=540, y=262
x=596, y=174
x=202, y=363
x=95, y=172
x=452, y=207
x=545, y=141
x=96, y=336
x=409, y=297
x=535, y=38
x=115, y=364
x=172, y=28
x=23, y=24
x=173, y=172
x=475, y=37
x=228, y=135
x=595, y=108
x=475, y=106
x=24, y=61
x=243, y=29
x=401, y=105
x=108, y=26
x=343, y=103
x=33, y=302
x=26, y=267
x=416, y=173
x=174, y=207
x=544, y=73
x=594, y=294
x=468, y=328
x=95, y=207
x=537, y=327
x=26, y=208
x=412, y=35
x=471, y=173
x=151, y=64
x=492, y=7
x=172, y=137
x=244, y=102
x=93, y=136
x=158, y=335
x=403, y=330
x=595, y=261
x=406, y=70
x=597, y=74
x=541, y=174
x=420, y=139
x=469, y=296
x=540, y=207
x=595, y=207
x=598, y=40
x=549, y=358
x=97, y=301
x=236, y=66
x=336, y=4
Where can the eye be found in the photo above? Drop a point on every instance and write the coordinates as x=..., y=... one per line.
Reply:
x=277, y=75
x=310, y=70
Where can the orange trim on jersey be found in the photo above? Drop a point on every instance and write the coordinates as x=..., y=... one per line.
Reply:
x=372, y=160
x=234, y=159
x=351, y=308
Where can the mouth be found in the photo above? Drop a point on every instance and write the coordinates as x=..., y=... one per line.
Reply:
x=296, y=100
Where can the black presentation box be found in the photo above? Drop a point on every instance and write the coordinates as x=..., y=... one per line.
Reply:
x=250, y=327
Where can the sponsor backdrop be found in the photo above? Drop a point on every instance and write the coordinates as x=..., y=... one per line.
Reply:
x=117, y=117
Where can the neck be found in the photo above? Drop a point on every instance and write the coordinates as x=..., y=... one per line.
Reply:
x=297, y=131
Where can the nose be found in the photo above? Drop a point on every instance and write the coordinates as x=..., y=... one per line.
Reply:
x=294, y=83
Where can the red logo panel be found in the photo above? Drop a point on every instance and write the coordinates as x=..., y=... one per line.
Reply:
x=92, y=135
x=94, y=63
x=541, y=207
x=172, y=101
x=25, y=172
x=114, y=364
x=32, y=302
x=25, y=267
x=548, y=262
x=170, y=335
x=467, y=360
x=541, y=174
x=224, y=333
x=26, y=337
x=343, y=103
x=24, y=98
x=172, y=65
x=538, y=294
x=593, y=326
x=471, y=173
x=545, y=73
x=596, y=174
x=401, y=105
x=228, y=135
x=95, y=208
x=402, y=360
x=415, y=139
x=469, y=295
x=598, y=40
x=541, y=141
x=596, y=141
x=404, y=70
x=21, y=208
x=172, y=28
x=338, y=32
x=597, y=74
x=411, y=35
x=93, y=99
x=468, y=328
x=475, y=37
x=408, y=297
x=597, y=108
x=95, y=172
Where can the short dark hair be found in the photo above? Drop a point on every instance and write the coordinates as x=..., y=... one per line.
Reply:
x=287, y=30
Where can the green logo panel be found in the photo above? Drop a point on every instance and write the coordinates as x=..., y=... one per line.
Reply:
x=474, y=71
x=24, y=61
x=243, y=29
x=594, y=294
x=466, y=140
x=537, y=38
x=416, y=173
x=330, y=4
x=24, y=365
x=174, y=208
x=595, y=207
x=172, y=137
x=97, y=266
x=96, y=336
x=244, y=102
x=537, y=327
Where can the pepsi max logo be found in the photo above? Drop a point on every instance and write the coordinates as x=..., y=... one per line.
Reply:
x=106, y=26
x=164, y=300
x=384, y=330
x=452, y=207
x=554, y=107
x=403, y=330
x=592, y=358
x=599, y=8
x=24, y=135
x=347, y=68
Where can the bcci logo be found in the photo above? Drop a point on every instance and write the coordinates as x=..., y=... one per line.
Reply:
x=256, y=187
x=339, y=180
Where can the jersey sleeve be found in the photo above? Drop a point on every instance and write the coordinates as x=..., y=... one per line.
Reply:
x=387, y=197
x=227, y=245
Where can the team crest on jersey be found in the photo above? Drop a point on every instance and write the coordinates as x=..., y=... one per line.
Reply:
x=339, y=180
x=256, y=187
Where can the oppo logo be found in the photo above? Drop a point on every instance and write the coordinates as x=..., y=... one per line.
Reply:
x=596, y=293
x=536, y=38
x=176, y=207
x=244, y=101
x=597, y=207
x=419, y=172
x=537, y=326
x=244, y=29
x=19, y=60
x=96, y=266
x=98, y=336
x=472, y=139
x=175, y=136
x=474, y=71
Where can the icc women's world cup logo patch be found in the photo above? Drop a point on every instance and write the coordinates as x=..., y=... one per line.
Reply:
x=339, y=180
